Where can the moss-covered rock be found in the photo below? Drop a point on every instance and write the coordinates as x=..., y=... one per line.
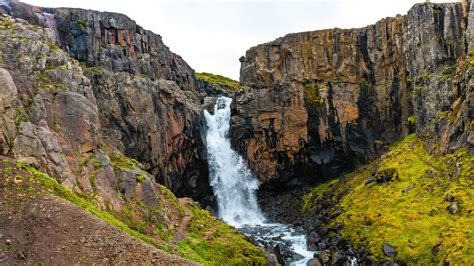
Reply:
x=214, y=85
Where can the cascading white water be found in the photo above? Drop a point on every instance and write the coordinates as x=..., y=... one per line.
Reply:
x=233, y=184
x=235, y=187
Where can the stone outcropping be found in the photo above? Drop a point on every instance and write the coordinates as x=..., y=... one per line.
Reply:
x=136, y=95
x=324, y=101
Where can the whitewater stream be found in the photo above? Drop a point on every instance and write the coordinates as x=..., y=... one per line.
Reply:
x=235, y=189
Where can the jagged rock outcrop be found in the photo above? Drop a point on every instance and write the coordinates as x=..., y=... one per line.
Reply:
x=325, y=101
x=65, y=127
x=141, y=98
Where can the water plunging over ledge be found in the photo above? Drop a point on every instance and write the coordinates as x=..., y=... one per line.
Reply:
x=235, y=188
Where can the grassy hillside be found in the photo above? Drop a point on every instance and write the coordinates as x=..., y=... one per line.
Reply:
x=203, y=238
x=223, y=83
x=426, y=211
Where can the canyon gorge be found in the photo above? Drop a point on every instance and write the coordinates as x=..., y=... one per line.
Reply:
x=358, y=140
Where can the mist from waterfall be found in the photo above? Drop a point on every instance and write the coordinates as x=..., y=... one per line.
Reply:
x=233, y=184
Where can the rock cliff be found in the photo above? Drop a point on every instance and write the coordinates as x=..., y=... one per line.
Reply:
x=76, y=104
x=140, y=98
x=324, y=101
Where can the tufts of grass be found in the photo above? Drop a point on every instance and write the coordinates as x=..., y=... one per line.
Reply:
x=122, y=162
x=312, y=94
x=51, y=185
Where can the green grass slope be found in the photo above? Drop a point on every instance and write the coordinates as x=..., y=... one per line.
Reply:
x=411, y=211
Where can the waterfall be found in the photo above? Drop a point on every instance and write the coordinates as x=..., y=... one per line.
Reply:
x=233, y=184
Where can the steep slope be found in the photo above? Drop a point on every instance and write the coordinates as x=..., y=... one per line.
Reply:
x=54, y=131
x=38, y=227
x=147, y=100
x=409, y=206
x=324, y=101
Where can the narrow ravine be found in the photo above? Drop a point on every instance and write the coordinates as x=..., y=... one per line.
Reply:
x=235, y=189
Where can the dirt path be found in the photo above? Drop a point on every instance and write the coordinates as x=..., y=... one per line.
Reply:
x=182, y=231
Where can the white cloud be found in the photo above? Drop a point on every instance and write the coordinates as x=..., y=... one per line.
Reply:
x=212, y=35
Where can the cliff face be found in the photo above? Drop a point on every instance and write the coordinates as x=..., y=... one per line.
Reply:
x=65, y=127
x=143, y=99
x=324, y=101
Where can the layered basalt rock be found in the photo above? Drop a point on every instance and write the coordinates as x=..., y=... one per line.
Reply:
x=342, y=95
x=137, y=96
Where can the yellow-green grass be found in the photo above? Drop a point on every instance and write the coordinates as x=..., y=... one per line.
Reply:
x=416, y=222
x=220, y=81
x=213, y=242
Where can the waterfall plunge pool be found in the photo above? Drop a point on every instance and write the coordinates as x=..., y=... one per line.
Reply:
x=235, y=188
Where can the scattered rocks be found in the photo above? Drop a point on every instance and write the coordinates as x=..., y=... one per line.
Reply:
x=453, y=208
x=314, y=262
x=389, y=251
x=450, y=198
x=405, y=190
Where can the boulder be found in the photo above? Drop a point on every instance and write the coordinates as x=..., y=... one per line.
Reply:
x=453, y=208
x=8, y=94
x=389, y=251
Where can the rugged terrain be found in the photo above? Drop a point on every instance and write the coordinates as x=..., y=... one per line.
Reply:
x=322, y=102
x=102, y=125
x=81, y=93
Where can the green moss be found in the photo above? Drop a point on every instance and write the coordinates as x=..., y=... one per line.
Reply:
x=316, y=194
x=7, y=247
x=21, y=114
x=122, y=162
x=212, y=242
x=414, y=222
x=220, y=81
x=54, y=187
x=53, y=47
x=82, y=24
x=426, y=76
x=98, y=164
x=140, y=178
x=312, y=95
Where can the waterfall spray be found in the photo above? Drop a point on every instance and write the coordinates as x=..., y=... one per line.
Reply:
x=233, y=184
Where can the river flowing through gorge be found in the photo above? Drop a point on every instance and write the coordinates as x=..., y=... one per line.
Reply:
x=235, y=189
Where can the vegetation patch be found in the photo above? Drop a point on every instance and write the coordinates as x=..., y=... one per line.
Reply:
x=413, y=212
x=229, y=85
x=211, y=242
x=312, y=94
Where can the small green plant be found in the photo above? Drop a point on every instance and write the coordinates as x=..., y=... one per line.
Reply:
x=140, y=178
x=82, y=24
x=312, y=94
x=230, y=84
x=98, y=164
x=53, y=47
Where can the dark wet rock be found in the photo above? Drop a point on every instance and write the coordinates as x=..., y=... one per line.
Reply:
x=314, y=262
x=277, y=252
x=389, y=263
x=453, y=208
x=369, y=180
x=337, y=212
x=325, y=255
x=385, y=175
x=450, y=198
x=336, y=227
x=435, y=249
x=405, y=190
x=389, y=251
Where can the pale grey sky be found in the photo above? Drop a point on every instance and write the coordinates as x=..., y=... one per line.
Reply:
x=212, y=35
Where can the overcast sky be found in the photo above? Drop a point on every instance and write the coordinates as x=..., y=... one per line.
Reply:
x=212, y=35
